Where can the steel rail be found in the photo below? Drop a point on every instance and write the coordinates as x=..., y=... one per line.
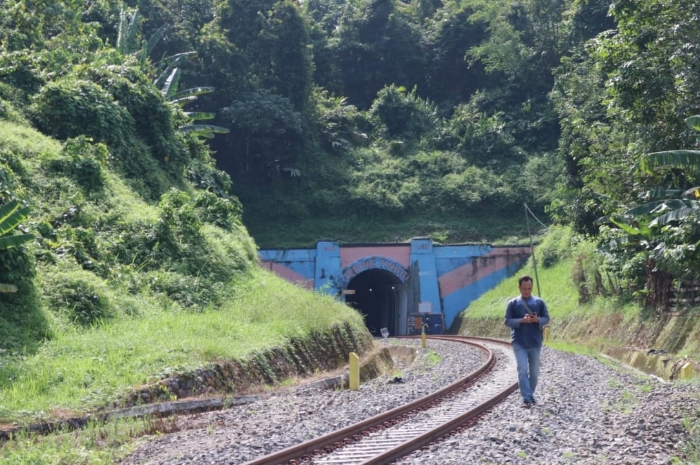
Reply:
x=352, y=434
x=446, y=428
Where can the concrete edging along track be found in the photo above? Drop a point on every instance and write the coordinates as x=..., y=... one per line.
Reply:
x=371, y=366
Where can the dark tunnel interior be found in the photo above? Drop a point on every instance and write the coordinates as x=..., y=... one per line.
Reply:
x=377, y=298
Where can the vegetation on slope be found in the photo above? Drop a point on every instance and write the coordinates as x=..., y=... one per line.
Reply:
x=79, y=370
x=584, y=302
x=483, y=106
x=325, y=130
x=101, y=248
x=141, y=265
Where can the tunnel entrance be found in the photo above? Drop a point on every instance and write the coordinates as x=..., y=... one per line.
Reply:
x=381, y=297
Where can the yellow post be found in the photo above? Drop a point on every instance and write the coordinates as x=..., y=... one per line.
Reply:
x=546, y=334
x=423, y=338
x=686, y=371
x=354, y=372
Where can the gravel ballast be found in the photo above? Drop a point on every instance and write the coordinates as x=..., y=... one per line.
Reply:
x=587, y=412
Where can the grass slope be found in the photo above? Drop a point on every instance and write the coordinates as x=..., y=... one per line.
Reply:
x=119, y=290
x=600, y=323
x=552, y=282
x=79, y=370
x=555, y=288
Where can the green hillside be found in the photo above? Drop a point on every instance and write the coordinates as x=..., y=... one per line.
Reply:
x=587, y=313
x=116, y=289
x=148, y=148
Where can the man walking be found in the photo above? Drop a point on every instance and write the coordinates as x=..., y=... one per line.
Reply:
x=526, y=315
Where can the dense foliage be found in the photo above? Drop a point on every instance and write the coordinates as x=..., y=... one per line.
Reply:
x=350, y=113
x=126, y=206
x=623, y=102
x=334, y=106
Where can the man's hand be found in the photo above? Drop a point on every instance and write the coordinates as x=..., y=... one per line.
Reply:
x=530, y=318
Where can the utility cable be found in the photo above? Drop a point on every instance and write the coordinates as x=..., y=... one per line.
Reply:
x=527, y=209
x=532, y=248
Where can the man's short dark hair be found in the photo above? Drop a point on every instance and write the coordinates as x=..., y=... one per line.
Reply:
x=523, y=278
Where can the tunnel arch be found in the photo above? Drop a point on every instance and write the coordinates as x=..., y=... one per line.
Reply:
x=370, y=263
x=380, y=296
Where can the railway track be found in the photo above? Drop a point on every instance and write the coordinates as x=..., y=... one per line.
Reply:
x=400, y=431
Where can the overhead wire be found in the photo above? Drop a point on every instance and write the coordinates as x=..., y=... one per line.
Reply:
x=527, y=209
x=532, y=248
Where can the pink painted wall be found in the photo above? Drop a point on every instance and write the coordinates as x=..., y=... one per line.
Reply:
x=290, y=275
x=479, y=268
x=400, y=254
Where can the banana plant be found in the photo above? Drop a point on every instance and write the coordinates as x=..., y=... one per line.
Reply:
x=184, y=97
x=657, y=212
x=169, y=78
x=11, y=215
x=663, y=206
x=126, y=35
x=667, y=211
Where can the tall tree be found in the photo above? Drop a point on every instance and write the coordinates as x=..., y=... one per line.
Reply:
x=376, y=45
x=654, y=70
x=35, y=23
x=629, y=94
x=450, y=35
x=185, y=20
x=269, y=44
x=588, y=18
x=257, y=53
x=524, y=41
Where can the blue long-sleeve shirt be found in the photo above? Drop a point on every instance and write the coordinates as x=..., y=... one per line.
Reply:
x=528, y=335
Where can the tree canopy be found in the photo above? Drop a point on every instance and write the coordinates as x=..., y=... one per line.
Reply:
x=362, y=109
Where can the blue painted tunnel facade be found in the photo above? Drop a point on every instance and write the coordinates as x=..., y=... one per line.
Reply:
x=399, y=286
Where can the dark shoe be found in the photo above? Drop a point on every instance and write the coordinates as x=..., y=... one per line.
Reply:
x=533, y=401
x=526, y=405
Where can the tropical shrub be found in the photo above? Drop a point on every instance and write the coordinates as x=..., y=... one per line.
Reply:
x=82, y=161
x=222, y=212
x=153, y=118
x=664, y=228
x=465, y=189
x=203, y=174
x=266, y=131
x=190, y=293
x=10, y=113
x=481, y=138
x=78, y=296
x=340, y=124
x=71, y=107
x=21, y=74
x=556, y=246
x=401, y=114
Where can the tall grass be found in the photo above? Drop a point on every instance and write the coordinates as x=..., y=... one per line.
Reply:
x=555, y=287
x=79, y=370
x=97, y=444
x=25, y=141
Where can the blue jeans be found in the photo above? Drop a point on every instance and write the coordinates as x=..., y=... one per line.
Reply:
x=528, y=361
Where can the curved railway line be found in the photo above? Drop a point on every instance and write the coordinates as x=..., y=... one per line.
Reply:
x=398, y=432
